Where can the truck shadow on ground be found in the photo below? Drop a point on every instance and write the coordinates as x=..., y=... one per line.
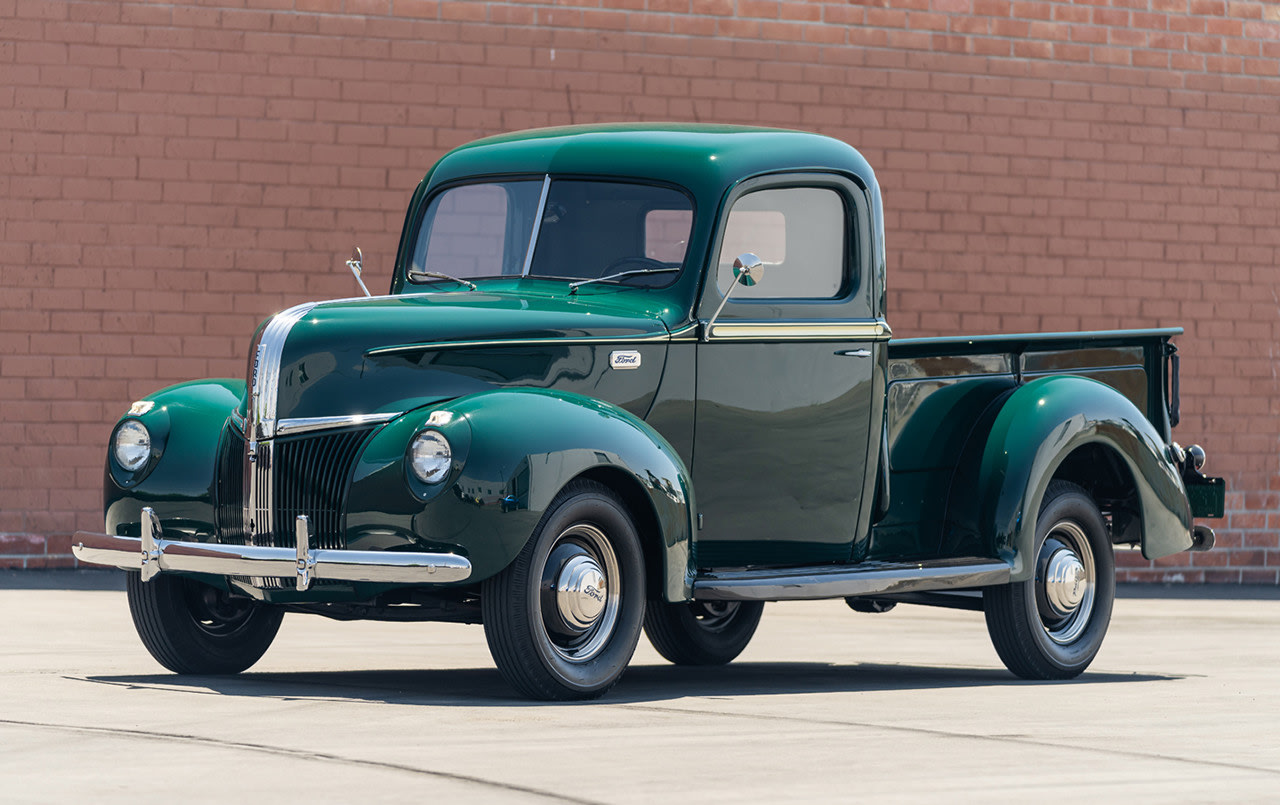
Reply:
x=643, y=683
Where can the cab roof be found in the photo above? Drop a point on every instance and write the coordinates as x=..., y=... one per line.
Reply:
x=702, y=158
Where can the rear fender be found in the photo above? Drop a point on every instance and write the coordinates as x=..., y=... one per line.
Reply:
x=514, y=450
x=1038, y=426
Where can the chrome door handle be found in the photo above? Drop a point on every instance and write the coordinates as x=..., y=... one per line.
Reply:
x=856, y=353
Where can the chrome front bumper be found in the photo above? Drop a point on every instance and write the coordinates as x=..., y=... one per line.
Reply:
x=152, y=553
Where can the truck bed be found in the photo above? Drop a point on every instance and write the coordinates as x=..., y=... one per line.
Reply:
x=940, y=388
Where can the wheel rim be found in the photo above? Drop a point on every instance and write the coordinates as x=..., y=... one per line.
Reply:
x=1066, y=582
x=715, y=616
x=214, y=612
x=580, y=595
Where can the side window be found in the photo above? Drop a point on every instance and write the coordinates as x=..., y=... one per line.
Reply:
x=799, y=233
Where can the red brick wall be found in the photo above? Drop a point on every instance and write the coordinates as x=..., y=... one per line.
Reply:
x=170, y=173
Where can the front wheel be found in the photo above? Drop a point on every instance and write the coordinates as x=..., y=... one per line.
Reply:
x=192, y=628
x=563, y=619
x=1052, y=625
x=701, y=632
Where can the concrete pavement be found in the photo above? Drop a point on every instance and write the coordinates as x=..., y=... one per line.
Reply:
x=826, y=705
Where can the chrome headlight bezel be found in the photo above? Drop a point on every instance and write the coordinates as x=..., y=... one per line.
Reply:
x=132, y=445
x=429, y=457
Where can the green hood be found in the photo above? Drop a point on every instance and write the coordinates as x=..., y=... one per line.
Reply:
x=394, y=353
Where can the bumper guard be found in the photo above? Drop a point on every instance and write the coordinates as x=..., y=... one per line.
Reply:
x=152, y=553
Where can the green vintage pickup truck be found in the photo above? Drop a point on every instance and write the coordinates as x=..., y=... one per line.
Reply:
x=642, y=378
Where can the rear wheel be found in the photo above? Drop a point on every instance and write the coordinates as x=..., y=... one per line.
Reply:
x=701, y=632
x=1052, y=625
x=563, y=619
x=192, y=628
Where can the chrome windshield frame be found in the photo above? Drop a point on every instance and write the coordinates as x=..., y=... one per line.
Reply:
x=537, y=225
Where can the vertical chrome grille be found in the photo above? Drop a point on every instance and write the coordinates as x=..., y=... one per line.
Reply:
x=265, y=479
x=230, y=486
x=306, y=474
x=310, y=478
x=259, y=489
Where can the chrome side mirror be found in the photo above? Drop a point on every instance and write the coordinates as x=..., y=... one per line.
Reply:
x=356, y=264
x=748, y=269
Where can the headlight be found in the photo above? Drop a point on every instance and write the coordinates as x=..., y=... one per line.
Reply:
x=132, y=445
x=430, y=456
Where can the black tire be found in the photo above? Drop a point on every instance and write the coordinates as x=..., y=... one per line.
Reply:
x=701, y=632
x=192, y=628
x=1044, y=628
x=573, y=643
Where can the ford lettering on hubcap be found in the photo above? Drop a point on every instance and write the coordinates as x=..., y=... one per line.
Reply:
x=580, y=599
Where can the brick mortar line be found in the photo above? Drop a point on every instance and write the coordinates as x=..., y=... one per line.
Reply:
x=822, y=46
x=1135, y=71
x=1246, y=116
x=1099, y=159
x=951, y=16
x=738, y=14
x=700, y=37
x=552, y=72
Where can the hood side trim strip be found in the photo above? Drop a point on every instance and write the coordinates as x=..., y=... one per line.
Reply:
x=286, y=427
x=508, y=342
x=800, y=330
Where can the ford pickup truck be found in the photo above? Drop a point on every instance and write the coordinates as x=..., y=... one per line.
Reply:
x=640, y=378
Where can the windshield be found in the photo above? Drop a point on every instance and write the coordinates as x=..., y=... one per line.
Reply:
x=588, y=229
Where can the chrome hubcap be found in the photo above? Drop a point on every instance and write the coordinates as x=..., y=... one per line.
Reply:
x=581, y=591
x=1065, y=582
x=580, y=596
x=714, y=616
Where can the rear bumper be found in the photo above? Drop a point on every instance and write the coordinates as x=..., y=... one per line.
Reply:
x=1202, y=538
x=152, y=554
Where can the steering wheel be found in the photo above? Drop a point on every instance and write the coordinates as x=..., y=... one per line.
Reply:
x=640, y=262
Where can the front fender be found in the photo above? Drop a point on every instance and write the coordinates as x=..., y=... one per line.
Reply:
x=514, y=450
x=1033, y=432
x=186, y=423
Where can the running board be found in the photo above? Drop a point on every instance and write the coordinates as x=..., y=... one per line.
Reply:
x=844, y=581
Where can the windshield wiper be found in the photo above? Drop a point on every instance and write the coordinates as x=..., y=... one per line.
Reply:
x=573, y=286
x=420, y=275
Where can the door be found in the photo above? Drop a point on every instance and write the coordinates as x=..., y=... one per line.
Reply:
x=785, y=379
